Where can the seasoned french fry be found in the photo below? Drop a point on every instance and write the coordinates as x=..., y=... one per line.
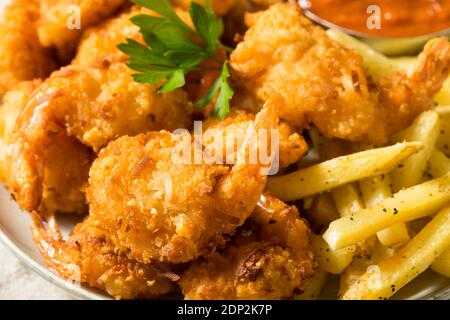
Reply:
x=322, y=212
x=374, y=190
x=314, y=286
x=347, y=199
x=443, y=141
x=408, y=204
x=377, y=65
x=425, y=129
x=332, y=261
x=442, y=264
x=352, y=274
x=382, y=280
x=339, y=171
x=348, y=202
x=359, y=266
x=439, y=164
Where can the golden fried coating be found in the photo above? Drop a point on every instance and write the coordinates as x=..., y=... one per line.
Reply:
x=99, y=43
x=287, y=59
x=66, y=168
x=58, y=22
x=22, y=57
x=292, y=145
x=404, y=96
x=89, y=257
x=169, y=210
x=95, y=106
x=12, y=104
x=269, y=258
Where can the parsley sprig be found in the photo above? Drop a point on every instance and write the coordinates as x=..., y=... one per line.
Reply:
x=172, y=50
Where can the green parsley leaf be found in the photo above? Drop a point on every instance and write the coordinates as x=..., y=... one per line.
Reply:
x=172, y=49
x=221, y=86
x=175, y=81
x=164, y=8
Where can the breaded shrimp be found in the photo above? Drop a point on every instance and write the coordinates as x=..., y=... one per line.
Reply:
x=12, y=104
x=287, y=59
x=89, y=257
x=22, y=57
x=67, y=166
x=292, y=146
x=270, y=258
x=170, y=210
x=99, y=43
x=95, y=105
x=58, y=20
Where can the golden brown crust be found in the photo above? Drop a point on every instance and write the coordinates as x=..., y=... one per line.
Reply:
x=66, y=169
x=22, y=57
x=269, y=258
x=89, y=257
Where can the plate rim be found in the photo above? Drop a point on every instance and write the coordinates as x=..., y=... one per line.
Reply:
x=76, y=292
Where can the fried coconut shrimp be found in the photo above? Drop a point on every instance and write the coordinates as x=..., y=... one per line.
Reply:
x=22, y=57
x=269, y=258
x=62, y=21
x=292, y=145
x=170, y=210
x=95, y=106
x=98, y=44
x=286, y=58
x=88, y=256
x=66, y=169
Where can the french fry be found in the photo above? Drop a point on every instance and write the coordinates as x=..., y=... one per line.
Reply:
x=382, y=280
x=339, y=171
x=307, y=202
x=442, y=264
x=377, y=65
x=408, y=204
x=352, y=274
x=439, y=164
x=359, y=266
x=347, y=199
x=348, y=202
x=314, y=286
x=322, y=212
x=332, y=261
x=443, y=141
x=374, y=190
x=425, y=129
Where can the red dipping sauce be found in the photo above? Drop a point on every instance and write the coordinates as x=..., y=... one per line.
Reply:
x=394, y=18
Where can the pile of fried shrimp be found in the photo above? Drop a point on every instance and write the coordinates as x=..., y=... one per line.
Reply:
x=363, y=186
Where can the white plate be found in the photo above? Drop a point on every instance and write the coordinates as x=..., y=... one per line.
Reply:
x=15, y=234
